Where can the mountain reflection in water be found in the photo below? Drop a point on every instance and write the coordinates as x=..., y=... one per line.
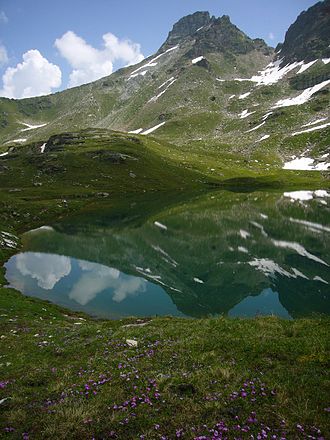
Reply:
x=237, y=254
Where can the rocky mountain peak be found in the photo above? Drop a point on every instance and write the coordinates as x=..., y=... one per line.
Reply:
x=187, y=26
x=309, y=36
x=211, y=34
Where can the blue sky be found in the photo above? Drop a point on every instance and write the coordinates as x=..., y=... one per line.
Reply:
x=99, y=33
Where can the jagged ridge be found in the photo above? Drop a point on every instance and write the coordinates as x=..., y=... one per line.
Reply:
x=211, y=34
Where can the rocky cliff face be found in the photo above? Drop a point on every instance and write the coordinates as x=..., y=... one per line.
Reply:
x=186, y=27
x=308, y=37
x=221, y=35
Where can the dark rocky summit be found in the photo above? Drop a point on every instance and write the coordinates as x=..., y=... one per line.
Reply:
x=212, y=34
x=308, y=38
x=221, y=35
x=186, y=27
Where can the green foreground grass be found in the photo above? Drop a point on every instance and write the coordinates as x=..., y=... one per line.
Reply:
x=65, y=375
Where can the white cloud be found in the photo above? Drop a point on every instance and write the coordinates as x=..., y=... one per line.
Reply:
x=3, y=55
x=271, y=36
x=47, y=269
x=3, y=17
x=89, y=63
x=35, y=76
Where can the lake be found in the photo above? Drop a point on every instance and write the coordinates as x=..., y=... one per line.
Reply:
x=221, y=253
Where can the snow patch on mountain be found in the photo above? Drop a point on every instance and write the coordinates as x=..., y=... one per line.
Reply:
x=245, y=95
x=304, y=67
x=31, y=127
x=245, y=114
x=266, y=116
x=166, y=82
x=272, y=73
x=138, y=131
x=18, y=141
x=264, y=138
x=256, y=128
x=151, y=63
x=303, y=97
x=152, y=129
x=319, y=127
x=314, y=122
x=305, y=164
x=197, y=60
x=154, y=98
x=140, y=73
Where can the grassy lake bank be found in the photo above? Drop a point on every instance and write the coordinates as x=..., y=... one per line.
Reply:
x=67, y=375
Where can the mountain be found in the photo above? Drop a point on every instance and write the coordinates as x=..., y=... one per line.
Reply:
x=309, y=36
x=218, y=101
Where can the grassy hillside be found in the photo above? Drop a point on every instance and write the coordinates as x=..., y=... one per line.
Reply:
x=199, y=116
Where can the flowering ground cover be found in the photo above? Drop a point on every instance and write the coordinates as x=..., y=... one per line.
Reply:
x=65, y=375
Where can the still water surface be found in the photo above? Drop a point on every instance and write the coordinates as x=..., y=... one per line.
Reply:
x=223, y=253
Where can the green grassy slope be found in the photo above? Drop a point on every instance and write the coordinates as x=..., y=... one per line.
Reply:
x=198, y=113
x=67, y=376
